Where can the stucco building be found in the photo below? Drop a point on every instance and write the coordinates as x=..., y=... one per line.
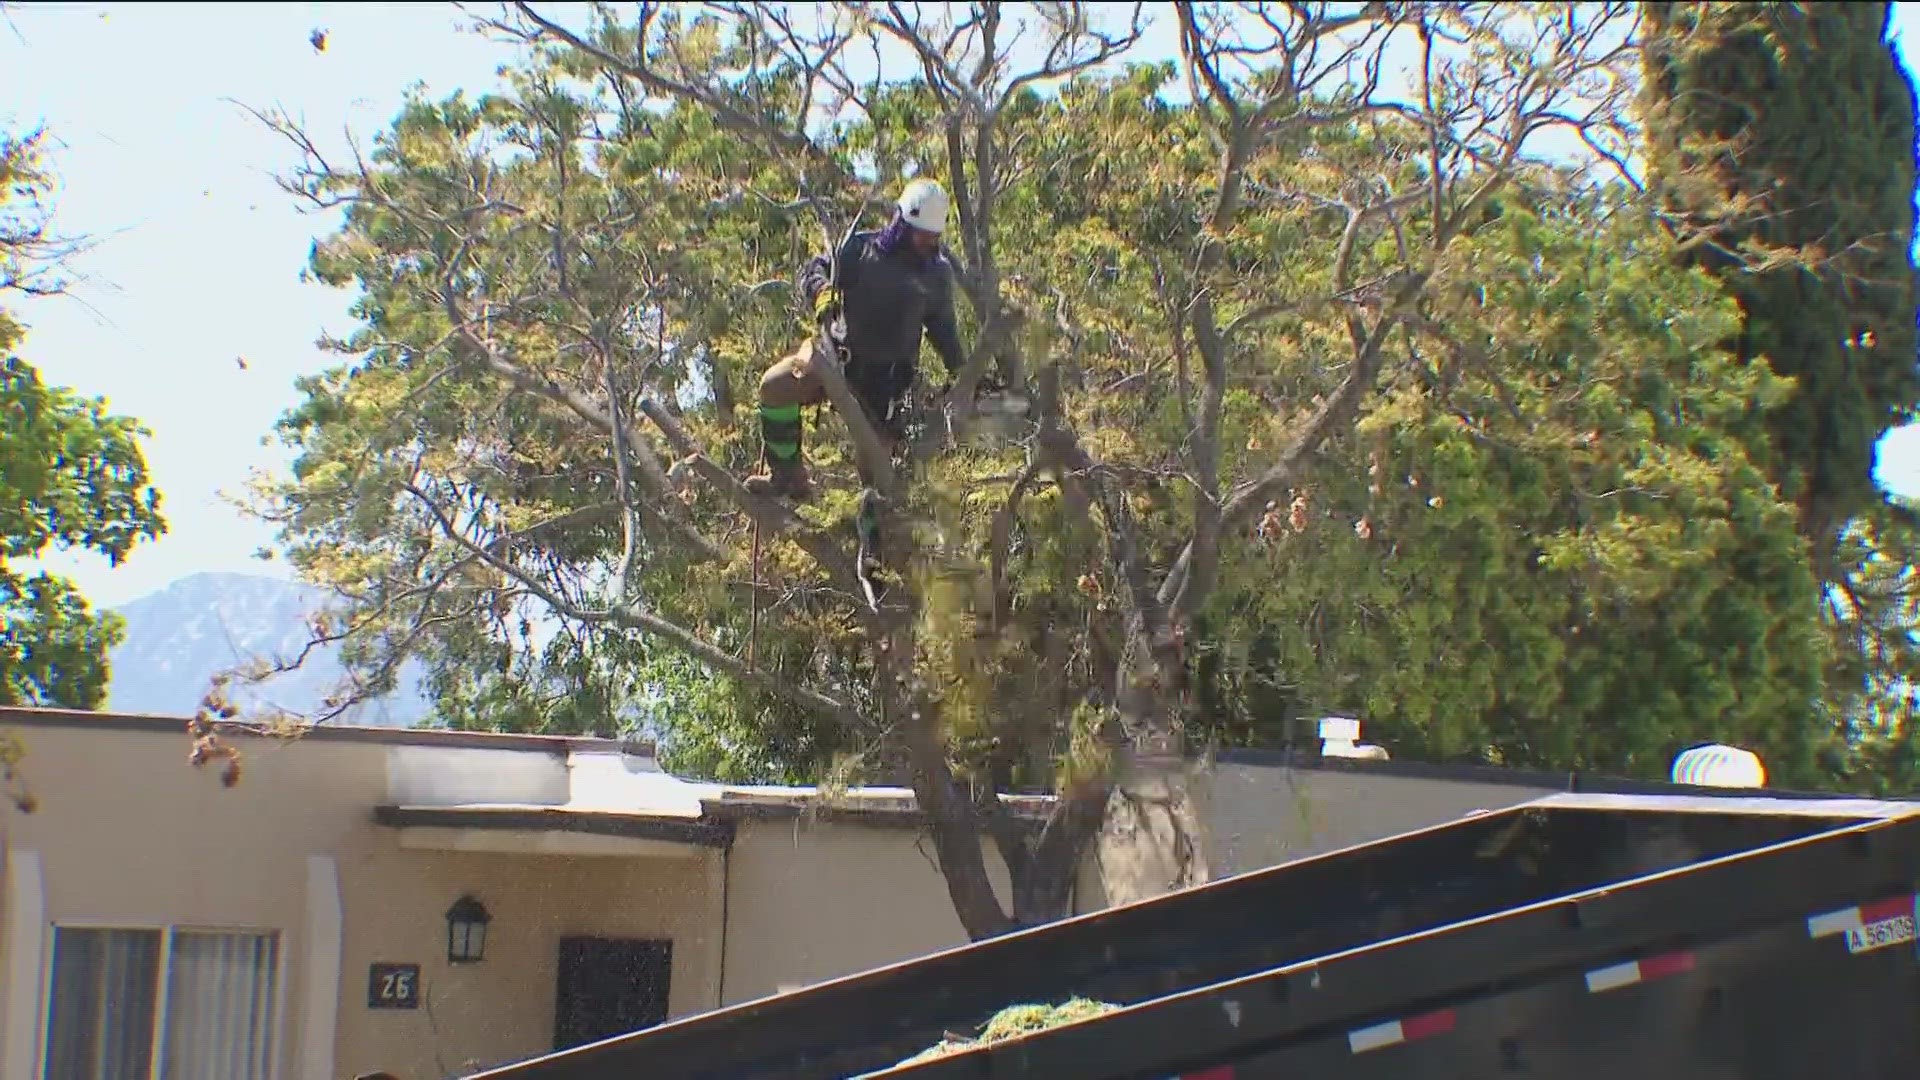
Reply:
x=156, y=924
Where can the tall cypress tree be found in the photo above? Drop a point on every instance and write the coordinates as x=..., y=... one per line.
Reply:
x=1780, y=136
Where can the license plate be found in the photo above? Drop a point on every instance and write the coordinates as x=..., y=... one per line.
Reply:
x=1895, y=931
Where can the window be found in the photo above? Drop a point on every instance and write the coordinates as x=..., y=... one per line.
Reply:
x=162, y=1005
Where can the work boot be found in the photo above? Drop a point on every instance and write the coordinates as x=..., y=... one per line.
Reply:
x=786, y=473
x=784, y=478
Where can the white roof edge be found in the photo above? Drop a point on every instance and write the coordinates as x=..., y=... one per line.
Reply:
x=780, y=796
x=562, y=808
x=1729, y=804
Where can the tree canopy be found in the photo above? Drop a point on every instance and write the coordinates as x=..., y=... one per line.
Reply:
x=1340, y=398
x=1780, y=147
x=72, y=474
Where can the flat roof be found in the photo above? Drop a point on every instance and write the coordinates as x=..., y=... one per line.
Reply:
x=1732, y=802
x=878, y=806
x=558, y=819
x=1571, y=781
x=887, y=805
x=391, y=736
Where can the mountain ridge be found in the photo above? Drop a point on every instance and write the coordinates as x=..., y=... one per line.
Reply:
x=179, y=636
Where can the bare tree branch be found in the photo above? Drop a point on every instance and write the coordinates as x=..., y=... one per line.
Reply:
x=653, y=475
x=784, y=145
x=1478, y=119
x=633, y=617
x=769, y=514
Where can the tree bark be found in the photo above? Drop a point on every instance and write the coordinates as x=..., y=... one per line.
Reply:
x=1044, y=859
x=963, y=862
x=1152, y=840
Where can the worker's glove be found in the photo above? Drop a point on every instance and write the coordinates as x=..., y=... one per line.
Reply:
x=827, y=313
x=825, y=302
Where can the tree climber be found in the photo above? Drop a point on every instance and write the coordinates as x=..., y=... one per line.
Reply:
x=893, y=285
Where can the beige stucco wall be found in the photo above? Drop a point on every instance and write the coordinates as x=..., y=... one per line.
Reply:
x=811, y=901
x=128, y=834
x=1263, y=815
x=1256, y=816
x=502, y=1010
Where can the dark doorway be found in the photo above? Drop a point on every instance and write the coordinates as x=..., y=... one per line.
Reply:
x=608, y=987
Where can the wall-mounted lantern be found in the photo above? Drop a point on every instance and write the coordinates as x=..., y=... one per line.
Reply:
x=467, y=923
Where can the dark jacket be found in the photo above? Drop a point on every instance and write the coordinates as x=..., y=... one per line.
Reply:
x=891, y=296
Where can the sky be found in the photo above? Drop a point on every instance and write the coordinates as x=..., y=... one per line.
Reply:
x=198, y=256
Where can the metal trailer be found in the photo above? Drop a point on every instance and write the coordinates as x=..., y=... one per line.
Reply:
x=1575, y=937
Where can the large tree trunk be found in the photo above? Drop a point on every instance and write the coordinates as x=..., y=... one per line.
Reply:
x=1153, y=840
x=957, y=844
x=951, y=815
x=1154, y=837
x=1044, y=860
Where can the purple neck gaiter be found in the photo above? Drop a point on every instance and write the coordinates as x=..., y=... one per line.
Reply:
x=894, y=238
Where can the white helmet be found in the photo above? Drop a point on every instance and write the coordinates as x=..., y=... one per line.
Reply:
x=924, y=206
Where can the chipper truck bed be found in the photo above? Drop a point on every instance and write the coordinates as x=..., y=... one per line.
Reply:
x=1577, y=937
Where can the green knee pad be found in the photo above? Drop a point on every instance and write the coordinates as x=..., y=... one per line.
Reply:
x=780, y=430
